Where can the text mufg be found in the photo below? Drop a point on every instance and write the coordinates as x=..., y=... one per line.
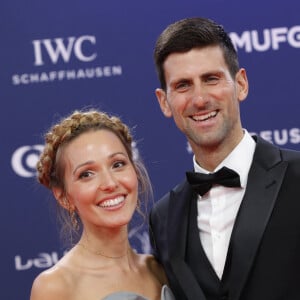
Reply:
x=268, y=39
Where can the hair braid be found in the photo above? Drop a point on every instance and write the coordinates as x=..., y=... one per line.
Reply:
x=69, y=128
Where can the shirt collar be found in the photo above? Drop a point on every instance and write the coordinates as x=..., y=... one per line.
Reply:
x=239, y=159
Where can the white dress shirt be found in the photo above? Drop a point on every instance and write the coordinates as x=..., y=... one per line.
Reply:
x=218, y=208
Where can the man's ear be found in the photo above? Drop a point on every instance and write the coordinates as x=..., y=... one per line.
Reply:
x=242, y=84
x=163, y=103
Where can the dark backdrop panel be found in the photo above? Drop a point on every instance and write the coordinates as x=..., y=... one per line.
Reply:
x=57, y=56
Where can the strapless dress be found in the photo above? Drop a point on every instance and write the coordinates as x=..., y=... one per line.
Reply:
x=166, y=294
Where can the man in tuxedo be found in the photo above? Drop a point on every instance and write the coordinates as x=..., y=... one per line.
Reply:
x=231, y=229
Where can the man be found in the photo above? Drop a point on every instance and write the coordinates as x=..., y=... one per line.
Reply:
x=238, y=241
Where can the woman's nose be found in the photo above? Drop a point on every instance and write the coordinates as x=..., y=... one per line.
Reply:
x=107, y=181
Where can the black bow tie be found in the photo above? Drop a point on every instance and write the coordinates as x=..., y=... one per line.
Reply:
x=202, y=183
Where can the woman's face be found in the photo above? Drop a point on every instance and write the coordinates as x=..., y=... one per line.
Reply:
x=100, y=180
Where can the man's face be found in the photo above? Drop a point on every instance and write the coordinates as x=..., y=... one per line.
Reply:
x=202, y=97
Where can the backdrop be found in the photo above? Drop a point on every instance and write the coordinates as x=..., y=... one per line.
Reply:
x=57, y=56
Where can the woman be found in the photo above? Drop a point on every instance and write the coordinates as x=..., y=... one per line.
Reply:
x=88, y=164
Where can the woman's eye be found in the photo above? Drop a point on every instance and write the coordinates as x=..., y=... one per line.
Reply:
x=85, y=174
x=119, y=164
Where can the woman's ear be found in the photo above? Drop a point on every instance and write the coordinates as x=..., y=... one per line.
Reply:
x=61, y=198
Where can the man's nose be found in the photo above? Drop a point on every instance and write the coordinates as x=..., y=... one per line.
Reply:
x=198, y=94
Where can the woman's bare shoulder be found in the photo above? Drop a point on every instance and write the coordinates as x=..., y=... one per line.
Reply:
x=50, y=284
x=154, y=267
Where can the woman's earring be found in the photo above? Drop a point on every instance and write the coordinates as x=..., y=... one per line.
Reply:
x=74, y=218
x=72, y=213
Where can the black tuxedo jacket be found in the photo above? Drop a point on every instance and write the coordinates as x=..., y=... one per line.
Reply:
x=265, y=241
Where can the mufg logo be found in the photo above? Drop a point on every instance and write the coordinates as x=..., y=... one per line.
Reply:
x=268, y=39
x=79, y=47
x=24, y=159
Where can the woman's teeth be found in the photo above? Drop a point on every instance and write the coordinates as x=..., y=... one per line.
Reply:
x=112, y=202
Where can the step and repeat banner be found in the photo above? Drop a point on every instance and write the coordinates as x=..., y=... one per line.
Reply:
x=57, y=56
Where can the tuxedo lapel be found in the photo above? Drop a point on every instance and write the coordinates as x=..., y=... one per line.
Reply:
x=179, y=206
x=264, y=181
x=178, y=211
x=187, y=279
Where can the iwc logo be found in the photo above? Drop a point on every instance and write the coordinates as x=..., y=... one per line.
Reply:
x=51, y=56
x=57, y=48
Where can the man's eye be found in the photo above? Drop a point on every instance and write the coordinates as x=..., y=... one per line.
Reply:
x=212, y=80
x=182, y=85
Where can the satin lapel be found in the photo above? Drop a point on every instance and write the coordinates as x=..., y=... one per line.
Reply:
x=187, y=279
x=264, y=181
x=178, y=211
x=179, y=205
